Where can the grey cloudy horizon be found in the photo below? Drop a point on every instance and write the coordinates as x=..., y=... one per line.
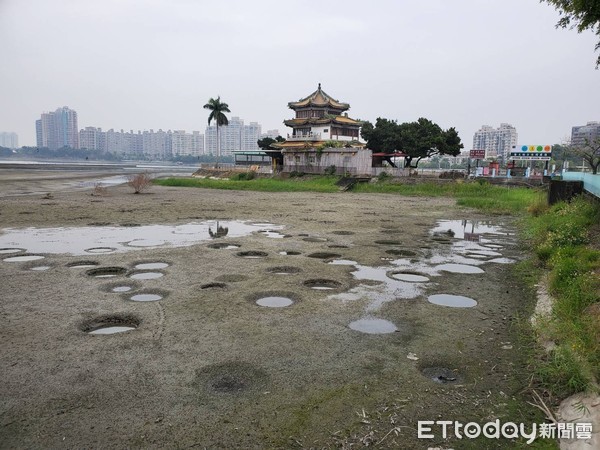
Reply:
x=150, y=64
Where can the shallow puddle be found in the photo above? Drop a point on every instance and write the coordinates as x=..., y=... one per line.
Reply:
x=224, y=246
x=459, y=268
x=111, y=330
x=470, y=230
x=39, y=268
x=82, y=264
x=454, y=301
x=106, y=272
x=343, y=262
x=151, y=266
x=502, y=261
x=252, y=254
x=23, y=258
x=121, y=289
x=145, y=297
x=322, y=284
x=146, y=275
x=274, y=302
x=372, y=325
x=410, y=277
x=108, y=239
x=289, y=253
x=284, y=270
x=8, y=251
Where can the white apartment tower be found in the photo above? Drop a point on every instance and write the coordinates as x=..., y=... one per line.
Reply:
x=497, y=142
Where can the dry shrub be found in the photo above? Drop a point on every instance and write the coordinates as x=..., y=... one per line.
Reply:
x=99, y=190
x=139, y=182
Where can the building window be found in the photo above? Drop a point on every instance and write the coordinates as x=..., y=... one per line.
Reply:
x=326, y=130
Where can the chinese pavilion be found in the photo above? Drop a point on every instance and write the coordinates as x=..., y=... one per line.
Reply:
x=320, y=118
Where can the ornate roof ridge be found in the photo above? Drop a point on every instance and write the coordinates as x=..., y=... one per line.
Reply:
x=319, y=98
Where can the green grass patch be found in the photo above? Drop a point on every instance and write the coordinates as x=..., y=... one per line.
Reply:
x=561, y=240
x=298, y=184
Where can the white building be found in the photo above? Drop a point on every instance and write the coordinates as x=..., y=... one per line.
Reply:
x=233, y=137
x=497, y=142
x=9, y=140
x=186, y=144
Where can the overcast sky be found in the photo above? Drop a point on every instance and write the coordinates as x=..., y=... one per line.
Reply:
x=150, y=64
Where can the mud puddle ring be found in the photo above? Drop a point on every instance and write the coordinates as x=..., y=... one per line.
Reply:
x=400, y=252
x=224, y=246
x=338, y=246
x=110, y=324
x=343, y=233
x=120, y=287
x=252, y=254
x=24, y=257
x=38, y=268
x=232, y=278
x=322, y=284
x=289, y=253
x=388, y=242
x=314, y=239
x=442, y=375
x=150, y=295
x=231, y=378
x=284, y=270
x=214, y=285
x=273, y=299
x=106, y=272
x=324, y=255
x=87, y=264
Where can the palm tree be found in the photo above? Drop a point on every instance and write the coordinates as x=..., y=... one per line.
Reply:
x=217, y=110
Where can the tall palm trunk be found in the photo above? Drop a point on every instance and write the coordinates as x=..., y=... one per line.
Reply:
x=218, y=147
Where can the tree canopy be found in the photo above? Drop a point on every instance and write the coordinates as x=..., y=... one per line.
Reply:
x=217, y=111
x=579, y=14
x=590, y=152
x=266, y=143
x=418, y=140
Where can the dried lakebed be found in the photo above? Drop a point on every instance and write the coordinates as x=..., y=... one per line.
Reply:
x=251, y=338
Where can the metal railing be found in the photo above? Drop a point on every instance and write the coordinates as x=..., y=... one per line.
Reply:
x=304, y=137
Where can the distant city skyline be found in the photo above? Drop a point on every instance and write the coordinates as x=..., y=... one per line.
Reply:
x=149, y=65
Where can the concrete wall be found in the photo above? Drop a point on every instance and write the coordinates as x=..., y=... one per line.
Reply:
x=352, y=160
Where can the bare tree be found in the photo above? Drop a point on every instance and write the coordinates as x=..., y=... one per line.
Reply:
x=590, y=152
x=139, y=182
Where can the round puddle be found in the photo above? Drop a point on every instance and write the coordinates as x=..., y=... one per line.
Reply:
x=400, y=252
x=23, y=258
x=274, y=302
x=440, y=375
x=224, y=245
x=234, y=377
x=110, y=325
x=106, y=272
x=502, y=260
x=39, y=268
x=284, y=270
x=151, y=266
x=459, y=268
x=410, y=277
x=82, y=264
x=322, y=284
x=100, y=250
x=123, y=288
x=493, y=246
x=476, y=256
x=315, y=239
x=388, y=242
x=289, y=253
x=232, y=278
x=145, y=243
x=324, y=255
x=213, y=286
x=252, y=254
x=454, y=301
x=373, y=326
x=145, y=297
x=8, y=251
x=146, y=275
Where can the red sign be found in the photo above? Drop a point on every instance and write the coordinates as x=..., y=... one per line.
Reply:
x=477, y=154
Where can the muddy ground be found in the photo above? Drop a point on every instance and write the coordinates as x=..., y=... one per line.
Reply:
x=207, y=367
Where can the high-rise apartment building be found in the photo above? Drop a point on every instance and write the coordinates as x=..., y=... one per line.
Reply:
x=58, y=129
x=186, y=144
x=270, y=134
x=589, y=132
x=233, y=137
x=497, y=142
x=9, y=140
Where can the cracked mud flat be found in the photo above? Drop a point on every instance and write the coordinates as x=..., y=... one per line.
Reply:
x=206, y=367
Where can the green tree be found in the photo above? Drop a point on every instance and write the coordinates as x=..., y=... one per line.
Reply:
x=217, y=113
x=579, y=14
x=417, y=140
x=266, y=143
